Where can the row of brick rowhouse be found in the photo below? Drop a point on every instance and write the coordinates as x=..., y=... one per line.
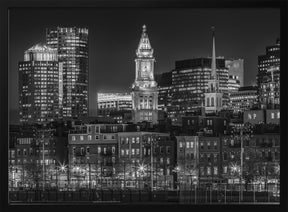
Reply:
x=112, y=155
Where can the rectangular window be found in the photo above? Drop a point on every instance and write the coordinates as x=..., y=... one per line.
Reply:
x=202, y=171
x=82, y=150
x=188, y=144
x=137, y=140
x=133, y=151
x=208, y=170
x=168, y=149
x=96, y=137
x=161, y=149
x=104, y=150
x=168, y=161
x=87, y=149
x=215, y=144
x=127, y=151
x=201, y=145
x=122, y=152
x=208, y=144
x=137, y=151
x=215, y=170
x=272, y=115
x=89, y=137
x=192, y=144
x=161, y=160
x=113, y=149
x=81, y=137
x=180, y=144
x=73, y=138
x=12, y=153
x=99, y=149
x=133, y=140
x=225, y=169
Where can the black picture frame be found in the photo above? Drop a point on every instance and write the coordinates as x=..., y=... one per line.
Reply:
x=6, y=5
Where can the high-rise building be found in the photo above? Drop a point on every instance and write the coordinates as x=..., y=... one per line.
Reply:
x=40, y=85
x=268, y=77
x=164, y=82
x=108, y=102
x=244, y=99
x=213, y=96
x=71, y=44
x=144, y=88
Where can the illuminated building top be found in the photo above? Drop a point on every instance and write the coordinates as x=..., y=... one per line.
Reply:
x=40, y=52
x=144, y=48
x=103, y=97
x=144, y=78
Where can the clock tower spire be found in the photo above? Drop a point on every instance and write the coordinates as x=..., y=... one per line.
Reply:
x=144, y=88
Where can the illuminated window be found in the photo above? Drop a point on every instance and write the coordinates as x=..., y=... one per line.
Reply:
x=272, y=115
x=254, y=115
x=208, y=170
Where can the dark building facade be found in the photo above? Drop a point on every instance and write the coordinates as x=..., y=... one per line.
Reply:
x=164, y=82
x=71, y=44
x=210, y=163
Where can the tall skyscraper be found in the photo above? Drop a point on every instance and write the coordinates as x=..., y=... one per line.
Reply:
x=144, y=88
x=268, y=77
x=40, y=85
x=71, y=44
x=213, y=96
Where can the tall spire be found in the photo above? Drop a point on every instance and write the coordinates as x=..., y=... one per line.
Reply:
x=144, y=48
x=213, y=66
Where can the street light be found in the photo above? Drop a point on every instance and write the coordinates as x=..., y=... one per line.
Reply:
x=142, y=168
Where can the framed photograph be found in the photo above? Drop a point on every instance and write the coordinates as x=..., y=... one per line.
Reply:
x=143, y=105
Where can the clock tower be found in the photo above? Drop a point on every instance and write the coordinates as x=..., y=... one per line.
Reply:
x=144, y=88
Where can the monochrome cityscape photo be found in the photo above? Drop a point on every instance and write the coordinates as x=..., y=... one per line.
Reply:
x=144, y=105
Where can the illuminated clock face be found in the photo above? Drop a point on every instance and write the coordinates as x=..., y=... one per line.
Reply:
x=145, y=70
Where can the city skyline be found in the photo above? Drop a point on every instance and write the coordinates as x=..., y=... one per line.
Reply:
x=112, y=56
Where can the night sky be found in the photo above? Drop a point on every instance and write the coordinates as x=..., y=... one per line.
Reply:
x=175, y=34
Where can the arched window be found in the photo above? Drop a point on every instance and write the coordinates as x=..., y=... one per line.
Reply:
x=212, y=102
x=208, y=102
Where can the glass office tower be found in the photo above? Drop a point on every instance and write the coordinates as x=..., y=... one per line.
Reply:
x=71, y=44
